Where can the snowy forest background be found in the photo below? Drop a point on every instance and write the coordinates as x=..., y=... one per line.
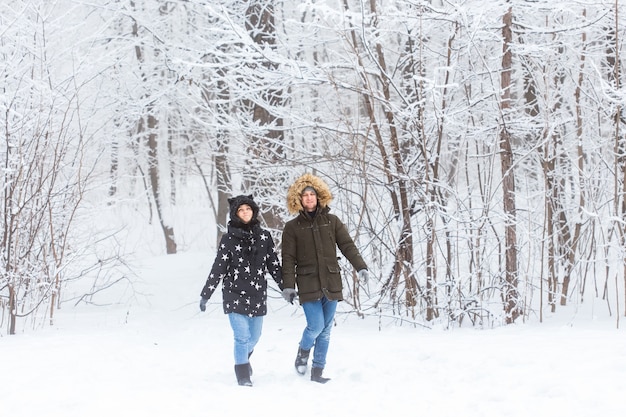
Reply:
x=476, y=149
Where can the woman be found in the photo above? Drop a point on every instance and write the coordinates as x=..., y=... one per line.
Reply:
x=245, y=254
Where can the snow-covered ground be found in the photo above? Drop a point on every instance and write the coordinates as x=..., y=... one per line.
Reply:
x=161, y=357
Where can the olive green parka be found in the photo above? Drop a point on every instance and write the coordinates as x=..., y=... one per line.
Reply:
x=309, y=245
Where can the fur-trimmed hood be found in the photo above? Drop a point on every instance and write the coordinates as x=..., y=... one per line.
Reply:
x=294, y=202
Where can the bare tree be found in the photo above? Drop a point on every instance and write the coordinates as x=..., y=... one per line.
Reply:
x=147, y=133
x=47, y=165
x=266, y=139
x=619, y=134
x=474, y=155
x=376, y=95
x=509, y=287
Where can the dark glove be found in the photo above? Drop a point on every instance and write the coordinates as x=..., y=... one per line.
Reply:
x=203, y=302
x=364, y=276
x=289, y=294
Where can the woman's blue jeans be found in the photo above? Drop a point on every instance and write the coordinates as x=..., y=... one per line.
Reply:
x=319, y=321
x=247, y=332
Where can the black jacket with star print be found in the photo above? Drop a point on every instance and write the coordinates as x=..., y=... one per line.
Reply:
x=245, y=254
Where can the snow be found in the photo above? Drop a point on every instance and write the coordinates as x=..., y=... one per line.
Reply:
x=160, y=356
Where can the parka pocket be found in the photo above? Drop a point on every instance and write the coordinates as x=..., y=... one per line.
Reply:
x=332, y=265
x=334, y=276
x=303, y=271
x=334, y=269
x=307, y=279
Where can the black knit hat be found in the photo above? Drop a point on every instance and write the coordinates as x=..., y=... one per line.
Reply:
x=235, y=202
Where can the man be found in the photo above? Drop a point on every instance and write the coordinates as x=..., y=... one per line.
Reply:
x=309, y=260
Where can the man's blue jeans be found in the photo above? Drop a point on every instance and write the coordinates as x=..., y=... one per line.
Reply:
x=319, y=321
x=247, y=332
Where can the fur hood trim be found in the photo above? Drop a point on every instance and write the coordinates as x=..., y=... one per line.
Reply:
x=294, y=202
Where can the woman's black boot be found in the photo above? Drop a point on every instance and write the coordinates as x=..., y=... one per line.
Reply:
x=301, y=360
x=243, y=374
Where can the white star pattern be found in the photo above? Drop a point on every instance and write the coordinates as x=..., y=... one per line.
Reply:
x=243, y=276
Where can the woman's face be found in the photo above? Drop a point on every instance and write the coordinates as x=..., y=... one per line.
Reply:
x=244, y=212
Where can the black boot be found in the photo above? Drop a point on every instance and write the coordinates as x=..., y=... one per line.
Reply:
x=243, y=374
x=316, y=375
x=250, y=366
x=301, y=360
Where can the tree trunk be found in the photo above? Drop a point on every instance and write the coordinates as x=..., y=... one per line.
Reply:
x=267, y=145
x=114, y=171
x=155, y=184
x=510, y=291
x=223, y=180
x=153, y=164
x=403, y=263
x=620, y=140
x=580, y=157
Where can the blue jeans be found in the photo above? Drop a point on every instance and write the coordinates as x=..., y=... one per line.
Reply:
x=247, y=332
x=319, y=321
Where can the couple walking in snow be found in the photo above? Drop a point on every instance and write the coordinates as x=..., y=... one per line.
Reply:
x=309, y=263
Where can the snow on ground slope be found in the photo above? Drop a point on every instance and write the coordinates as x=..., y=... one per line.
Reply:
x=159, y=356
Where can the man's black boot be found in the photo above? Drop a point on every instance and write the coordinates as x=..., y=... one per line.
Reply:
x=316, y=375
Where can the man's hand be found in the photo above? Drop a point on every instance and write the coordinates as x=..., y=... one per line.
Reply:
x=289, y=294
x=364, y=276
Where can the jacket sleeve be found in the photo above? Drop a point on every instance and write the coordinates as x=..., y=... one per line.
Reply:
x=289, y=256
x=347, y=247
x=218, y=271
x=273, y=264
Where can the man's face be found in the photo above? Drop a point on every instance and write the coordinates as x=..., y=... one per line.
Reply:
x=309, y=200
